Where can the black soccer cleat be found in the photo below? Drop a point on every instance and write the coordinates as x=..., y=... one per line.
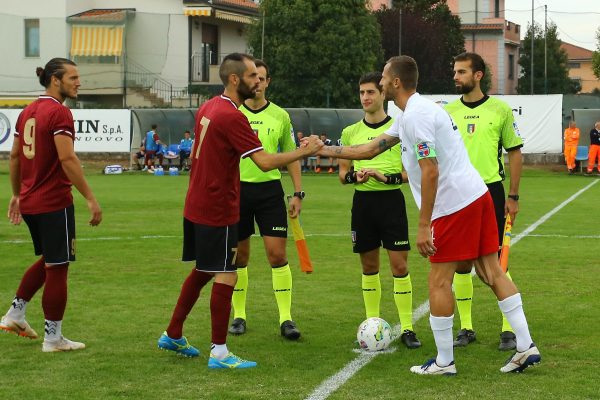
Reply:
x=508, y=341
x=289, y=330
x=410, y=340
x=464, y=337
x=238, y=326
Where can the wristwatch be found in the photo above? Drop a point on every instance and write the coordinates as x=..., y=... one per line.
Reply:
x=300, y=194
x=515, y=197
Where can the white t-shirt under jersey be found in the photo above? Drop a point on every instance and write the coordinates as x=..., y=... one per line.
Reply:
x=423, y=128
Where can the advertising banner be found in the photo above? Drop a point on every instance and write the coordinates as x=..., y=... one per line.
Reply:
x=96, y=131
x=538, y=117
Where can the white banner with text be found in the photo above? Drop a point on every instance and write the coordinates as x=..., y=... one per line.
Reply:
x=539, y=118
x=96, y=131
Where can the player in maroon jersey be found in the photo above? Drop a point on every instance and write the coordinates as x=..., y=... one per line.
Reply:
x=211, y=213
x=43, y=166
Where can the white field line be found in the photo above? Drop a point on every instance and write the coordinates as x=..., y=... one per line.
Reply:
x=549, y=214
x=331, y=384
x=109, y=238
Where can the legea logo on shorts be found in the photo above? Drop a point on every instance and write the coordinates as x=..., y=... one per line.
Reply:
x=4, y=128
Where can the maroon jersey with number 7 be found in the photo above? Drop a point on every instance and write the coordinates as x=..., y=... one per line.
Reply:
x=222, y=135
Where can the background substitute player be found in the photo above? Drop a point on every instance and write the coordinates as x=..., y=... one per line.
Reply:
x=378, y=209
x=487, y=126
x=262, y=198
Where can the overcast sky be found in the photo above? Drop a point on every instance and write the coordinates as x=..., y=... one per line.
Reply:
x=577, y=20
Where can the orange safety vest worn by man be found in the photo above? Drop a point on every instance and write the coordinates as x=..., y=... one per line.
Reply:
x=594, y=154
x=571, y=137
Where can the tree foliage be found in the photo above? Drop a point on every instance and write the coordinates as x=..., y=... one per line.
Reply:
x=596, y=56
x=486, y=82
x=557, y=70
x=430, y=34
x=316, y=50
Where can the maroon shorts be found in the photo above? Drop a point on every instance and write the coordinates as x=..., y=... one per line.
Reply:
x=466, y=234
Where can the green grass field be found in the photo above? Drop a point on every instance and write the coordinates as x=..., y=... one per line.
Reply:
x=125, y=283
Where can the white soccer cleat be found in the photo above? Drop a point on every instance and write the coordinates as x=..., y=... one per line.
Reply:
x=521, y=360
x=20, y=328
x=431, y=368
x=62, y=344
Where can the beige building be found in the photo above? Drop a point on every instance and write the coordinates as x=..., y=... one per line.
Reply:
x=580, y=67
x=377, y=4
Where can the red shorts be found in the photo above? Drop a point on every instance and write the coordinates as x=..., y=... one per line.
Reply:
x=466, y=234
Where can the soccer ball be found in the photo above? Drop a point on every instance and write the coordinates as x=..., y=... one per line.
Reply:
x=374, y=334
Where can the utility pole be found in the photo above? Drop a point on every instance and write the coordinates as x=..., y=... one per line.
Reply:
x=262, y=40
x=400, y=32
x=532, y=39
x=545, y=49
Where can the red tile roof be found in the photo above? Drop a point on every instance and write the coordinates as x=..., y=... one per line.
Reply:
x=471, y=27
x=101, y=15
x=241, y=3
x=576, y=52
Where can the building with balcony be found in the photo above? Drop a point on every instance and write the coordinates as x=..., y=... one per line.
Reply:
x=130, y=53
x=489, y=34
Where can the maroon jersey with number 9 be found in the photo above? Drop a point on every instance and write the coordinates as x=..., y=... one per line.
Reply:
x=44, y=185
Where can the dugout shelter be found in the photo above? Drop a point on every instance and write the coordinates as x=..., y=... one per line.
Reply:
x=172, y=122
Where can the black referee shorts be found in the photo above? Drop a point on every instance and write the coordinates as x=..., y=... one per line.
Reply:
x=213, y=248
x=263, y=202
x=498, y=196
x=379, y=218
x=53, y=235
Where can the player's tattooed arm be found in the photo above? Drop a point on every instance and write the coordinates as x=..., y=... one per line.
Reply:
x=385, y=143
x=363, y=151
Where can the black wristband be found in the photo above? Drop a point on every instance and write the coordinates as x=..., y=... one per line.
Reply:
x=515, y=197
x=350, y=177
x=393, y=179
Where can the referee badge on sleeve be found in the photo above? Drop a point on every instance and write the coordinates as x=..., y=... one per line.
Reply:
x=516, y=128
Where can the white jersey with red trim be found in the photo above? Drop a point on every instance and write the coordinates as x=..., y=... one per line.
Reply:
x=426, y=130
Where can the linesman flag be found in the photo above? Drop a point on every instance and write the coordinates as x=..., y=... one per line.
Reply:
x=506, y=244
x=303, y=256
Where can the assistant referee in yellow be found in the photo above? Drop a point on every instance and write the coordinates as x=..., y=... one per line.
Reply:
x=487, y=127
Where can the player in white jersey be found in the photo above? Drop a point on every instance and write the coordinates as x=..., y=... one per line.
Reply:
x=423, y=125
x=456, y=214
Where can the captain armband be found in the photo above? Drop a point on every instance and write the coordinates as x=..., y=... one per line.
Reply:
x=393, y=179
x=350, y=177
